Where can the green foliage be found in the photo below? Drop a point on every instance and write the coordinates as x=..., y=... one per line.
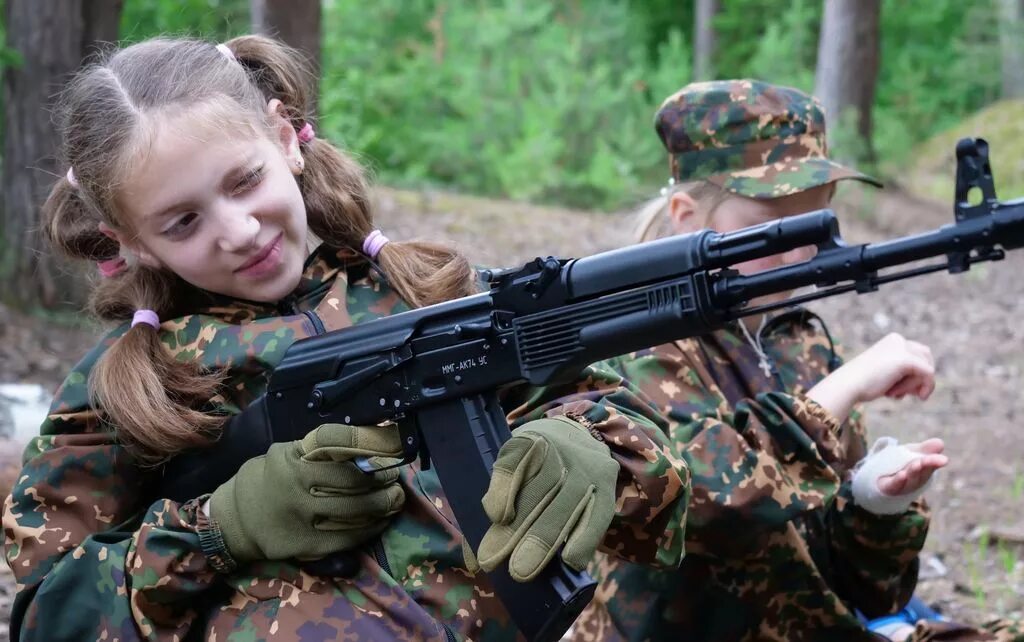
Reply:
x=787, y=50
x=930, y=166
x=928, y=83
x=8, y=57
x=532, y=101
x=766, y=40
x=553, y=101
x=214, y=19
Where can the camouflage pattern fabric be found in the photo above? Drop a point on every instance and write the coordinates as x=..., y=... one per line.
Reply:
x=775, y=547
x=98, y=556
x=749, y=137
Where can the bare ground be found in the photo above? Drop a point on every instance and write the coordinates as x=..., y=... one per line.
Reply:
x=973, y=566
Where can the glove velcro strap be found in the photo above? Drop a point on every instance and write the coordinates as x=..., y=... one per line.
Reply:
x=211, y=541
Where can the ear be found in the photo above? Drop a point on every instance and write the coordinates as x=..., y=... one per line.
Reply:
x=681, y=212
x=132, y=244
x=287, y=138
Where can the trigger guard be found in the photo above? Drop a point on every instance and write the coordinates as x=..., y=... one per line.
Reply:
x=411, y=449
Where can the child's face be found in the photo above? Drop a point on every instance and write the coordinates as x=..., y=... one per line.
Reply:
x=737, y=212
x=220, y=209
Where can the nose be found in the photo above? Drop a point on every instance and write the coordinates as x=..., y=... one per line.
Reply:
x=239, y=229
x=799, y=254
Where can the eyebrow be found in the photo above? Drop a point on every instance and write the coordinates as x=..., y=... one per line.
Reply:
x=168, y=211
x=239, y=171
x=232, y=175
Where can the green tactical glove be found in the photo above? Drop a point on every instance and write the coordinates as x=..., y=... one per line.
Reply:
x=552, y=483
x=306, y=499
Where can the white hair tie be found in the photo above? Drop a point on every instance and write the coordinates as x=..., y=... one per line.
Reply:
x=226, y=51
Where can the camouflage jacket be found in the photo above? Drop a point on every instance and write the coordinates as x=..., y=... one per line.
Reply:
x=775, y=547
x=84, y=527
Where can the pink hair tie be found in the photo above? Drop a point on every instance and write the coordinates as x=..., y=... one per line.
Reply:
x=146, y=316
x=112, y=267
x=374, y=241
x=306, y=134
x=71, y=177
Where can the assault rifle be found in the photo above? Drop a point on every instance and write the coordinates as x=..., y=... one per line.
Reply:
x=435, y=371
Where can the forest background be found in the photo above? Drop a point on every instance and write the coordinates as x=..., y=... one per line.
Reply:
x=546, y=108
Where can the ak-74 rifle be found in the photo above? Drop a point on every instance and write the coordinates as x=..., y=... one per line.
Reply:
x=435, y=371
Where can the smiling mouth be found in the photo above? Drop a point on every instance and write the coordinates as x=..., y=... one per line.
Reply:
x=262, y=255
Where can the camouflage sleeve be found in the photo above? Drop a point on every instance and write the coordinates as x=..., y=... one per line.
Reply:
x=767, y=460
x=875, y=557
x=78, y=531
x=653, y=488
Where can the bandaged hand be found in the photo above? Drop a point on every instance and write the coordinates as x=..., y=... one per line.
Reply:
x=306, y=499
x=892, y=476
x=553, y=484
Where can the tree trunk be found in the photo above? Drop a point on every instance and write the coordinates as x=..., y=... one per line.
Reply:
x=296, y=22
x=704, y=38
x=848, y=57
x=51, y=37
x=102, y=19
x=1011, y=30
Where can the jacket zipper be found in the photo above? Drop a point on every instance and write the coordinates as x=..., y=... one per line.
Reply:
x=381, y=556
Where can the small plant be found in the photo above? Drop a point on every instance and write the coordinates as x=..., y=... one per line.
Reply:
x=983, y=541
x=1009, y=561
x=976, y=557
x=1007, y=556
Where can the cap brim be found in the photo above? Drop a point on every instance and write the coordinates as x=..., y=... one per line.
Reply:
x=788, y=177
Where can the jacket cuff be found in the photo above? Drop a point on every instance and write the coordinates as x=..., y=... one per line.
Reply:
x=811, y=409
x=211, y=539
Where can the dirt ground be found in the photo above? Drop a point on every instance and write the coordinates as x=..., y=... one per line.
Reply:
x=973, y=566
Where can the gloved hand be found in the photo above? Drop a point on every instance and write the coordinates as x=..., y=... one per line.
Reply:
x=306, y=499
x=552, y=483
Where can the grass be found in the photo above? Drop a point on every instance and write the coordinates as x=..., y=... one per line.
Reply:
x=1007, y=561
x=977, y=555
x=1007, y=556
x=1017, y=490
x=931, y=169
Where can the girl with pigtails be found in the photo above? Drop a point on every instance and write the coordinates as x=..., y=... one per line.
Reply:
x=225, y=230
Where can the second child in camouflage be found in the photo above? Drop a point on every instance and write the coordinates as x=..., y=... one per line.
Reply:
x=794, y=526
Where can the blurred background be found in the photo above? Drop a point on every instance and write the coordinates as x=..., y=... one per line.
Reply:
x=522, y=127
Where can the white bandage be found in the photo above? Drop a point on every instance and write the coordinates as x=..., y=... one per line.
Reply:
x=886, y=457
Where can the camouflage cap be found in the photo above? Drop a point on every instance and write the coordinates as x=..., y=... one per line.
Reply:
x=749, y=137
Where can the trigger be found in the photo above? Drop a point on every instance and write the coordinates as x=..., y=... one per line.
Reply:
x=412, y=447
